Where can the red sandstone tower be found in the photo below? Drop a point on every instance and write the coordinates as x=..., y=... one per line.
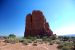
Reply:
x=36, y=25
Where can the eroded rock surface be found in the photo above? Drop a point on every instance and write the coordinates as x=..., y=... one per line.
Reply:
x=36, y=24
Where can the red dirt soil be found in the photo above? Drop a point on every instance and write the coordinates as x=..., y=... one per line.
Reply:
x=20, y=46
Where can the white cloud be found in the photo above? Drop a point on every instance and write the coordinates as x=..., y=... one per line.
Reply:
x=65, y=30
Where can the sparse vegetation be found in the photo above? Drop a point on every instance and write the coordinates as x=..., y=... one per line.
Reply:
x=51, y=43
x=11, y=39
x=25, y=42
x=60, y=46
x=53, y=37
x=34, y=44
x=64, y=43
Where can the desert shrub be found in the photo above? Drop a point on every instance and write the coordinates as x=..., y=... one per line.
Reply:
x=60, y=46
x=53, y=37
x=69, y=44
x=58, y=42
x=31, y=38
x=29, y=41
x=60, y=38
x=66, y=48
x=34, y=38
x=12, y=36
x=73, y=44
x=25, y=42
x=46, y=39
x=11, y=40
x=35, y=41
x=5, y=37
x=38, y=37
x=39, y=40
x=21, y=40
x=45, y=42
x=34, y=44
x=51, y=43
x=65, y=38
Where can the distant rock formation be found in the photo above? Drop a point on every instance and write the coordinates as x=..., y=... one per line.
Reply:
x=36, y=25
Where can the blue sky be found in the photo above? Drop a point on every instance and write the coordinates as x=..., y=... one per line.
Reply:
x=60, y=15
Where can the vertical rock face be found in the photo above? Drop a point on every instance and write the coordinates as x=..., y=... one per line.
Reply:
x=36, y=25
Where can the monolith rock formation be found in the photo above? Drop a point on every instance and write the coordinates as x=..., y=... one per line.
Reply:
x=36, y=24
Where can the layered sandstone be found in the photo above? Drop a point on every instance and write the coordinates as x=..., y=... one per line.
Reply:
x=36, y=25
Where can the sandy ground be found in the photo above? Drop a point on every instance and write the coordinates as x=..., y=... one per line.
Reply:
x=20, y=46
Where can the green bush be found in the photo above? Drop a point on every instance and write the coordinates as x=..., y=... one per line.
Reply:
x=39, y=40
x=46, y=39
x=35, y=41
x=66, y=48
x=31, y=38
x=25, y=42
x=12, y=36
x=60, y=46
x=29, y=41
x=53, y=37
x=65, y=38
x=21, y=40
x=51, y=43
x=11, y=40
x=58, y=42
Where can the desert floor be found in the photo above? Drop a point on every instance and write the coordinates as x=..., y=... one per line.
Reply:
x=20, y=46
